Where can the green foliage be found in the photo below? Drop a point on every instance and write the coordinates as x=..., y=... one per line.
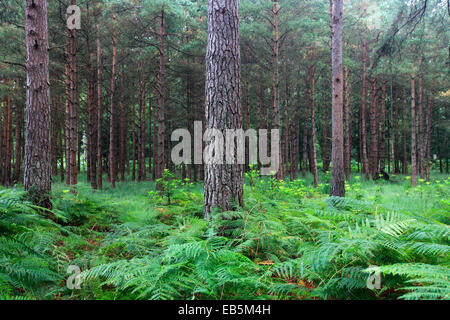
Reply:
x=289, y=242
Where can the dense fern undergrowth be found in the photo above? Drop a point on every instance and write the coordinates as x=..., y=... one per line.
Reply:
x=291, y=241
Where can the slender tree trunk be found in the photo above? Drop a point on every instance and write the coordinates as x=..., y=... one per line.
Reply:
x=383, y=126
x=396, y=137
x=223, y=182
x=337, y=186
x=405, y=157
x=428, y=134
x=37, y=180
x=276, y=121
x=8, y=141
x=92, y=125
x=141, y=137
x=112, y=134
x=54, y=144
x=413, y=129
x=325, y=157
x=19, y=141
x=122, y=135
x=313, y=161
x=160, y=150
x=365, y=167
x=373, y=165
x=72, y=143
x=421, y=134
x=133, y=133
x=99, y=112
x=348, y=126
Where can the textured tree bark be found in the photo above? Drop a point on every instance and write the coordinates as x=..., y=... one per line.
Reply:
x=325, y=157
x=373, y=165
x=276, y=121
x=396, y=137
x=99, y=112
x=365, y=167
x=421, y=134
x=54, y=144
x=19, y=141
x=72, y=116
x=413, y=129
x=160, y=150
x=348, y=126
x=133, y=134
x=313, y=161
x=428, y=134
x=112, y=134
x=61, y=152
x=223, y=182
x=92, y=125
x=150, y=133
x=404, y=154
x=141, y=123
x=37, y=178
x=155, y=134
x=7, y=136
x=122, y=135
x=337, y=185
x=293, y=134
x=383, y=126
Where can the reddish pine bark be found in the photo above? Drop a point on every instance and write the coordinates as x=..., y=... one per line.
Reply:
x=99, y=112
x=19, y=141
x=365, y=167
x=348, y=125
x=37, y=177
x=404, y=154
x=383, y=126
x=276, y=120
x=373, y=165
x=313, y=161
x=413, y=129
x=112, y=134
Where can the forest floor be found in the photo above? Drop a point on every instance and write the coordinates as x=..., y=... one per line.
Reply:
x=291, y=241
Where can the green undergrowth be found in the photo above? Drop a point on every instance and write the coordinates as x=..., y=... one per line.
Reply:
x=291, y=241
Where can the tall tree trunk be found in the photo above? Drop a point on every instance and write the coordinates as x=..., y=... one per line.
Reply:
x=223, y=182
x=92, y=125
x=337, y=186
x=313, y=161
x=348, y=125
x=365, y=166
x=276, y=121
x=122, y=135
x=396, y=137
x=413, y=129
x=421, y=134
x=19, y=141
x=404, y=154
x=133, y=133
x=325, y=157
x=99, y=112
x=383, y=126
x=8, y=141
x=160, y=150
x=373, y=165
x=141, y=135
x=428, y=135
x=72, y=143
x=37, y=180
x=112, y=134
x=54, y=144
